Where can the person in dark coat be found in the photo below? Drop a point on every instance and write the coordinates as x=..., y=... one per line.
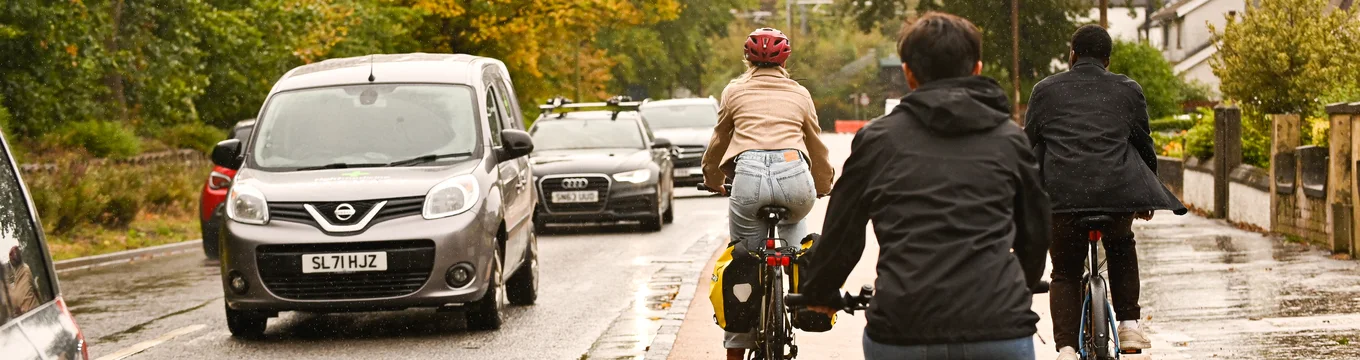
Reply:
x=952, y=188
x=1089, y=129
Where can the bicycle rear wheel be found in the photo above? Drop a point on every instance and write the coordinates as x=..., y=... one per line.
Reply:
x=1100, y=344
x=776, y=324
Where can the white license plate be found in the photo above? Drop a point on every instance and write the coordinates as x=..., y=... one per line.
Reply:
x=575, y=196
x=346, y=262
x=688, y=171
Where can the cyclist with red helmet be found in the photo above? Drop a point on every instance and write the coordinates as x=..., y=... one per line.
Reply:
x=767, y=143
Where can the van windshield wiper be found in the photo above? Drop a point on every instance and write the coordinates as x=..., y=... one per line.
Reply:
x=336, y=166
x=427, y=158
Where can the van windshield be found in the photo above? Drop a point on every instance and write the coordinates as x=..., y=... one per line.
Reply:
x=681, y=116
x=366, y=125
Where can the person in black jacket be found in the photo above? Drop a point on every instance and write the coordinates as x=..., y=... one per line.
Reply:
x=1089, y=129
x=957, y=206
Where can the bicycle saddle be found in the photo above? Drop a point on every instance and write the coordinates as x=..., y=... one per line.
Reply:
x=1099, y=222
x=779, y=212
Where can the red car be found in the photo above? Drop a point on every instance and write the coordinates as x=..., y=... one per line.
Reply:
x=211, y=212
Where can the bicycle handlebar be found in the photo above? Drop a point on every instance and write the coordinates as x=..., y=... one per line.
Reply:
x=727, y=187
x=847, y=303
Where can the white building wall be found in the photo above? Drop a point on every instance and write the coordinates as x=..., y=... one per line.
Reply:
x=1199, y=190
x=1122, y=26
x=1248, y=205
x=1202, y=73
x=1196, y=31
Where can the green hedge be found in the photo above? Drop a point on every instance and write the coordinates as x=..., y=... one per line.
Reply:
x=1172, y=124
x=197, y=136
x=111, y=196
x=104, y=139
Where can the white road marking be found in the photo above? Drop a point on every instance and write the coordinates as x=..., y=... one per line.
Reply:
x=143, y=346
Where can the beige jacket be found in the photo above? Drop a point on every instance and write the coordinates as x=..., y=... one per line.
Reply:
x=767, y=111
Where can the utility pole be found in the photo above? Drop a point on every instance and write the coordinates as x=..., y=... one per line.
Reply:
x=1104, y=19
x=1015, y=59
x=578, y=73
x=788, y=13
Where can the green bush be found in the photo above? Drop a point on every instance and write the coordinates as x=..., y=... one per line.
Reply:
x=4, y=116
x=1172, y=124
x=103, y=139
x=1145, y=64
x=197, y=136
x=111, y=196
x=1199, y=140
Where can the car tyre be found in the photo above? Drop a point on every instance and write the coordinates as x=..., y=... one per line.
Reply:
x=246, y=324
x=211, y=243
x=669, y=216
x=522, y=288
x=485, y=313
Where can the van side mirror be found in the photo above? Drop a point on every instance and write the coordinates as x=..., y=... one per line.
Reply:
x=661, y=143
x=227, y=154
x=514, y=144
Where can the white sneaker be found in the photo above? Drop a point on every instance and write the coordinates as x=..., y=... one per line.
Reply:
x=1133, y=338
x=1068, y=353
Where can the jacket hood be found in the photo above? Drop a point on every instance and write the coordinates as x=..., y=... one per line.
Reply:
x=958, y=106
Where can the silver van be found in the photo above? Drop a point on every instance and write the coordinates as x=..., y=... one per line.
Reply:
x=381, y=182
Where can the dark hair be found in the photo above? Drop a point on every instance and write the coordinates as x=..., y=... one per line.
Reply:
x=939, y=46
x=1092, y=41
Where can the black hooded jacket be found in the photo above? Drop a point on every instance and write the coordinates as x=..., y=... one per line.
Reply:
x=1089, y=128
x=952, y=188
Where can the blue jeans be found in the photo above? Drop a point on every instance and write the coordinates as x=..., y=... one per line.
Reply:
x=1014, y=349
x=768, y=177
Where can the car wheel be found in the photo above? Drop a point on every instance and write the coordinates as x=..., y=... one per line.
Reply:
x=522, y=289
x=211, y=243
x=485, y=313
x=669, y=216
x=246, y=324
x=653, y=222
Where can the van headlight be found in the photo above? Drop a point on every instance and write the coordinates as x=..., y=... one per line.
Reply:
x=636, y=176
x=246, y=205
x=451, y=197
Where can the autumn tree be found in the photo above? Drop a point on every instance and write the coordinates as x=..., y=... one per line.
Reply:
x=1045, y=28
x=1285, y=56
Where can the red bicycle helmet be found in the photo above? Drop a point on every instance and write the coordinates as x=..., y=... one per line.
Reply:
x=767, y=46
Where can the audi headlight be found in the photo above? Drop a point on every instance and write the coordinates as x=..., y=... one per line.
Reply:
x=636, y=176
x=451, y=197
x=246, y=205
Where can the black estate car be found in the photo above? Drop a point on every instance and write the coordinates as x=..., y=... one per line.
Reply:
x=600, y=163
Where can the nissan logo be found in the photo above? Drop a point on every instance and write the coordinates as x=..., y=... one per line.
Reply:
x=344, y=212
x=575, y=183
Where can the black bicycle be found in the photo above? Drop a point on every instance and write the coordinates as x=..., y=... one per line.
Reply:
x=1099, y=339
x=774, y=332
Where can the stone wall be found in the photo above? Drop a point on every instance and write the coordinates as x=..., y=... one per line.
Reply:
x=1197, y=191
x=1249, y=195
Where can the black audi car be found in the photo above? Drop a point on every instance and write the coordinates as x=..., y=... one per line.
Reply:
x=600, y=163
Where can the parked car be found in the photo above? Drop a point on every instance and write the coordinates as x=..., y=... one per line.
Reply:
x=211, y=211
x=688, y=124
x=379, y=183
x=36, y=322
x=600, y=162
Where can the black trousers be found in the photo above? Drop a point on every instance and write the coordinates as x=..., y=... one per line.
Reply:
x=1069, y=249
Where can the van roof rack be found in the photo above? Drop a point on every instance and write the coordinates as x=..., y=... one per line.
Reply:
x=562, y=106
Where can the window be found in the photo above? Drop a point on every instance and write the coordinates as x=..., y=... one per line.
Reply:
x=493, y=116
x=23, y=262
x=513, y=118
x=365, y=125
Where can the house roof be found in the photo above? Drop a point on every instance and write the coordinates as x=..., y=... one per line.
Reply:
x=1121, y=3
x=1177, y=9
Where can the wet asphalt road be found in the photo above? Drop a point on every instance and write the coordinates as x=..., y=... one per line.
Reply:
x=591, y=276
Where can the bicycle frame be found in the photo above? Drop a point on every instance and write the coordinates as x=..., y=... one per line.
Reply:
x=1095, y=288
x=772, y=280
